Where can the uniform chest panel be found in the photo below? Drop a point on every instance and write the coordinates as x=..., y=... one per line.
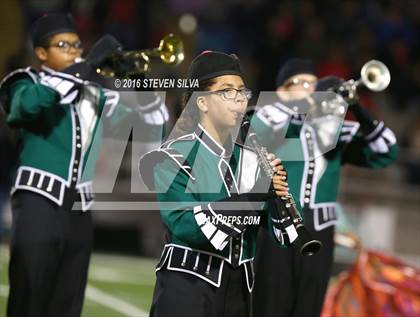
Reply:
x=217, y=175
x=210, y=171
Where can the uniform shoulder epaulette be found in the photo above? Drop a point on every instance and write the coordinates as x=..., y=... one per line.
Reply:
x=21, y=73
x=166, y=151
x=183, y=138
x=18, y=74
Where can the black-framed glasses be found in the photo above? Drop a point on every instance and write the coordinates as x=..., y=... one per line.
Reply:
x=301, y=82
x=65, y=46
x=232, y=93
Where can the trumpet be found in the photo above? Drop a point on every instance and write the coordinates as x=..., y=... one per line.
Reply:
x=170, y=51
x=374, y=75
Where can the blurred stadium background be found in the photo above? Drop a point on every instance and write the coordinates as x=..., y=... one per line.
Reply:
x=381, y=207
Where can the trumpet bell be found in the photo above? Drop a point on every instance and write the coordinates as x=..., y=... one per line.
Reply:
x=375, y=75
x=171, y=50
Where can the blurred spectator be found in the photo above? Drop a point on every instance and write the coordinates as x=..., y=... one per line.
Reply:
x=334, y=63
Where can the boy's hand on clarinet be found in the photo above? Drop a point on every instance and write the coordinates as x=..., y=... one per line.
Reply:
x=280, y=185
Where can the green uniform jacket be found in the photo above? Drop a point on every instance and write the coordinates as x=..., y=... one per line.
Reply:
x=57, y=151
x=192, y=175
x=315, y=181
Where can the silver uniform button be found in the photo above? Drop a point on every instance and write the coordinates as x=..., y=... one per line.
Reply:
x=306, y=200
x=74, y=179
x=310, y=172
x=79, y=145
x=308, y=186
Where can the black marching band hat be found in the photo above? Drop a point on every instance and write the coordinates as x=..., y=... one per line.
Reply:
x=293, y=67
x=211, y=64
x=51, y=24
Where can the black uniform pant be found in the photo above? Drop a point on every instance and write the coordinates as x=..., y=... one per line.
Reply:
x=288, y=284
x=49, y=259
x=179, y=294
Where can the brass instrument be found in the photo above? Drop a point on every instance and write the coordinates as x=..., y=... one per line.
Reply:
x=286, y=206
x=374, y=75
x=170, y=51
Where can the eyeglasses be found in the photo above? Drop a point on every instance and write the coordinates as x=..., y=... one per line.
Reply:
x=65, y=46
x=301, y=82
x=232, y=93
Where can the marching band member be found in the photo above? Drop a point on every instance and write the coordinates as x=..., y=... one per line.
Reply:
x=203, y=178
x=57, y=116
x=288, y=284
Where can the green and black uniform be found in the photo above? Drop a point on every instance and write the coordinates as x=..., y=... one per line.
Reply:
x=56, y=117
x=288, y=284
x=206, y=266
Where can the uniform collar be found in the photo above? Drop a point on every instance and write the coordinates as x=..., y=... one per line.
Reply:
x=48, y=71
x=207, y=140
x=292, y=109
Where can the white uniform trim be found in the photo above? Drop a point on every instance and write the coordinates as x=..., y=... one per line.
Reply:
x=27, y=70
x=42, y=174
x=171, y=268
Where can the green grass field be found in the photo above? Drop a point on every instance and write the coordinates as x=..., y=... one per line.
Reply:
x=117, y=286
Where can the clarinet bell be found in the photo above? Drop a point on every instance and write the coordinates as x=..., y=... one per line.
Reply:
x=309, y=246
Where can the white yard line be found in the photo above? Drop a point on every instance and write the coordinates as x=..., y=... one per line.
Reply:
x=102, y=298
x=114, y=303
x=105, y=274
x=4, y=290
x=4, y=254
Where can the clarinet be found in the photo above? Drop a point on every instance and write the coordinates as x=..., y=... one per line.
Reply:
x=285, y=205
